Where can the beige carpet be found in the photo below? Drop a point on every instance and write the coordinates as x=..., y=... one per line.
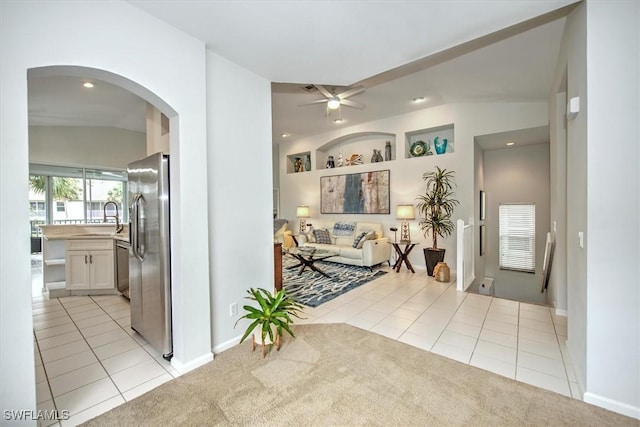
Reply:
x=339, y=375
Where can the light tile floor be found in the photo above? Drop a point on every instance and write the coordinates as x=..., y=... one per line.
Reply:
x=521, y=341
x=89, y=360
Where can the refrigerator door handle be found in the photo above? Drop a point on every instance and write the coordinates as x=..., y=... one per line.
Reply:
x=135, y=244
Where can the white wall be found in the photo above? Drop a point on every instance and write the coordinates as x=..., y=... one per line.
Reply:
x=613, y=205
x=516, y=175
x=85, y=146
x=160, y=63
x=572, y=59
x=557, y=290
x=240, y=191
x=602, y=41
x=406, y=174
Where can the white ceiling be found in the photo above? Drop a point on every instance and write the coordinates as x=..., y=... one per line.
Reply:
x=447, y=51
x=63, y=101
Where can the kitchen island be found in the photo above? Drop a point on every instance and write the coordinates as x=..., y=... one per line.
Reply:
x=80, y=259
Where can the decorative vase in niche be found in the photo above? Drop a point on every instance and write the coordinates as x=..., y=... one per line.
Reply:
x=297, y=165
x=307, y=163
x=387, y=151
x=440, y=146
x=330, y=163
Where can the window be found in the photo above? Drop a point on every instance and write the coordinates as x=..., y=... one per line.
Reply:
x=518, y=237
x=73, y=195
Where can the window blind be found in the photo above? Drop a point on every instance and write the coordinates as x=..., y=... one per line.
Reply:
x=518, y=237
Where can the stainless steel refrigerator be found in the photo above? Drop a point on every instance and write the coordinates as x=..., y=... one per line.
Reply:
x=150, y=254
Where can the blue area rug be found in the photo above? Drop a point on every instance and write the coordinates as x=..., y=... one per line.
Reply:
x=312, y=289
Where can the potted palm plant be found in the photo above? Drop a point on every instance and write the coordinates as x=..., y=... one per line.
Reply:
x=435, y=207
x=272, y=316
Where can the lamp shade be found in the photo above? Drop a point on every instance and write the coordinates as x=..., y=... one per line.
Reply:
x=405, y=212
x=302, y=212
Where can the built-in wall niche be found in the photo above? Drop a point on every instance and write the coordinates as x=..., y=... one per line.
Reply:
x=299, y=162
x=361, y=143
x=433, y=141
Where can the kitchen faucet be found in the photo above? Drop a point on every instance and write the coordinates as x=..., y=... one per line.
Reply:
x=119, y=226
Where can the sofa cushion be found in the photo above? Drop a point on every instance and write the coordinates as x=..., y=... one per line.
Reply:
x=322, y=236
x=350, y=253
x=370, y=226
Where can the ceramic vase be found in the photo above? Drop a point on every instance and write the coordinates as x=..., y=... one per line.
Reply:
x=440, y=145
x=307, y=163
x=387, y=151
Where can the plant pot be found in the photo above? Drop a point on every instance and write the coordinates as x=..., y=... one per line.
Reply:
x=432, y=257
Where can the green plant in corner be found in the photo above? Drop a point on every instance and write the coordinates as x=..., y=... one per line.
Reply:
x=436, y=208
x=273, y=312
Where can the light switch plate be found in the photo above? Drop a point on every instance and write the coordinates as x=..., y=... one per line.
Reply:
x=581, y=239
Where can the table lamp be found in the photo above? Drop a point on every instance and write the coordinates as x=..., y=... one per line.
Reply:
x=302, y=212
x=405, y=212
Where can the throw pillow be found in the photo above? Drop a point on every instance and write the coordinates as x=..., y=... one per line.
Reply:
x=358, y=242
x=341, y=229
x=322, y=236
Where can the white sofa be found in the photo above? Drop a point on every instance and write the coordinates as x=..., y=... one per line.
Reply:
x=375, y=250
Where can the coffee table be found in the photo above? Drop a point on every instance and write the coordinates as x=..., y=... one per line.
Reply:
x=308, y=257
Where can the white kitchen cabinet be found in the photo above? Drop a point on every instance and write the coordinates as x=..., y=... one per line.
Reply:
x=90, y=264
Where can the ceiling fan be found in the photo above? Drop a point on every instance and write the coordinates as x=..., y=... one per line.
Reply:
x=334, y=101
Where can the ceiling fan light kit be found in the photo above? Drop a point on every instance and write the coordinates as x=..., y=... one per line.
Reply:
x=333, y=103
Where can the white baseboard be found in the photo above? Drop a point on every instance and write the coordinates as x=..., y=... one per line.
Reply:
x=612, y=405
x=227, y=344
x=561, y=312
x=191, y=365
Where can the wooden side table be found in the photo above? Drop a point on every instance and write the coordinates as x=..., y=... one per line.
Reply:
x=403, y=255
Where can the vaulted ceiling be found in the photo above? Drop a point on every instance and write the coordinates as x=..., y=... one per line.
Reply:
x=443, y=50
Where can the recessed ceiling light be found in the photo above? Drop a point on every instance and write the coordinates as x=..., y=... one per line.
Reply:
x=418, y=99
x=509, y=144
x=284, y=135
x=338, y=120
x=88, y=85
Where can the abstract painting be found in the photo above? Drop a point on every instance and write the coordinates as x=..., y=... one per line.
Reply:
x=355, y=193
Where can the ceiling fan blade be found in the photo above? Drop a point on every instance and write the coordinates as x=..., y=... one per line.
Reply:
x=324, y=91
x=353, y=104
x=317, y=101
x=354, y=91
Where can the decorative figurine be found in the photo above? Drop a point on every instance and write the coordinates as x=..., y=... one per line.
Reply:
x=377, y=156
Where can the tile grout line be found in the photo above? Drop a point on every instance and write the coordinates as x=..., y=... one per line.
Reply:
x=46, y=376
x=96, y=356
x=564, y=363
x=480, y=332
